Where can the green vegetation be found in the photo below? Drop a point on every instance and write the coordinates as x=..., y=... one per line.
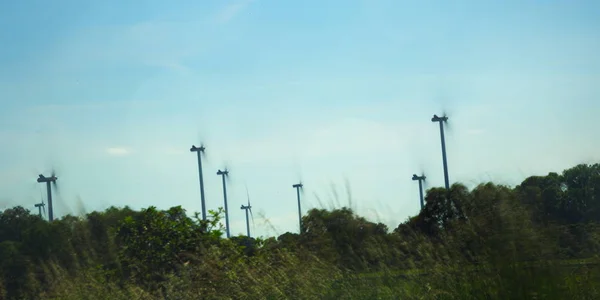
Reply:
x=539, y=240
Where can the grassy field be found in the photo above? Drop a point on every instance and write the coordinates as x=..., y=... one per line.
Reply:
x=414, y=273
x=568, y=279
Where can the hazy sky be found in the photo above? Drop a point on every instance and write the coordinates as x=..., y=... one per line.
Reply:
x=113, y=94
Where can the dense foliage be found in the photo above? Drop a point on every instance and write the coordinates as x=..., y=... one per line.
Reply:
x=539, y=239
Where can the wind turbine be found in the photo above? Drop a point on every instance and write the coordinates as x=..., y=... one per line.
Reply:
x=248, y=208
x=443, y=120
x=48, y=180
x=41, y=206
x=224, y=174
x=200, y=152
x=420, y=179
x=298, y=187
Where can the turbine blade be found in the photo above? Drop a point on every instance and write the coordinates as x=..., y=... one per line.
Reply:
x=447, y=107
x=298, y=177
x=228, y=170
x=41, y=195
x=55, y=187
x=53, y=172
x=62, y=205
x=203, y=154
x=201, y=138
x=447, y=113
x=248, y=195
x=81, y=210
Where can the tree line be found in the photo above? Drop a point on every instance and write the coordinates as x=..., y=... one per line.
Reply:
x=152, y=253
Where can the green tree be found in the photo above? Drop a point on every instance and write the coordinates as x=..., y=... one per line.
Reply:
x=582, y=201
x=154, y=243
x=442, y=208
x=343, y=237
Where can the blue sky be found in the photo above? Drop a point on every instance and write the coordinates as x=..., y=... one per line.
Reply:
x=113, y=95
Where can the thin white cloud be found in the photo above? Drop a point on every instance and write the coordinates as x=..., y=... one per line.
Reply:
x=232, y=10
x=118, y=151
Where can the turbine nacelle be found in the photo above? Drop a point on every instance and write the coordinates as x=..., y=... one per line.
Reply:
x=415, y=177
x=298, y=185
x=197, y=149
x=219, y=172
x=439, y=119
x=245, y=206
x=42, y=178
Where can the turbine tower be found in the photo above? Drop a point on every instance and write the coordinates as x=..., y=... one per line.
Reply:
x=200, y=152
x=49, y=180
x=299, y=186
x=443, y=120
x=247, y=208
x=420, y=179
x=41, y=206
x=224, y=174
